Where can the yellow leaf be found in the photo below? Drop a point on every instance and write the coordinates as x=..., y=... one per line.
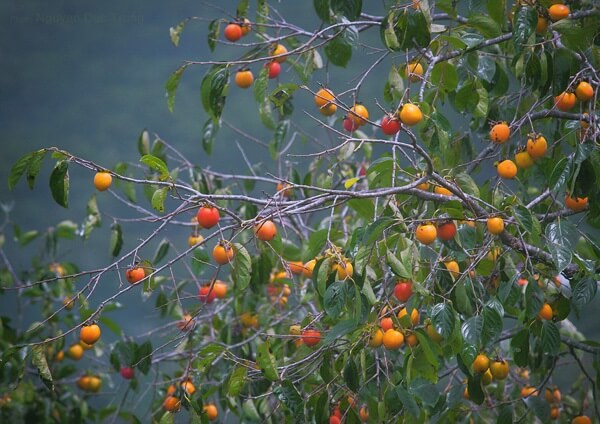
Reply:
x=350, y=182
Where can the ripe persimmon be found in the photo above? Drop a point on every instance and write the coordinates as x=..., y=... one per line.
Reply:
x=584, y=91
x=403, y=290
x=413, y=71
x=135, y=274
x=523, y=159
x=358, y=114
x=393, y=339
x=558, y=12
x=265, y=231
x=565, y=101
x=537, y=146
x=500, y=133
x=446, y=230
x=102, y=180
x=426, y=233
x=507, y=169
x=172, y=404
x=207, y=216
x=499, y=369
x=278, y=50
x=576, y=204
x=223, y=253
x=376, y=338
x=211, y=411
x=410, y=114
x=244, y=78
x=311, y=337
x=233, y=32
x=495, y=225
x=90, y=333
x=481, y=363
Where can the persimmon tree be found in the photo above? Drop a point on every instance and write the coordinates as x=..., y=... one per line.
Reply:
x=416, y=260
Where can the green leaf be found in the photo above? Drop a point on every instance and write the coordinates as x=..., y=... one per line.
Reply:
x=167, y=418
x=467, y=184
x=425, y=391
x=335, y=298
x=565, y=65
x=339, y=330
x=59, y=183
x=242, y=268
x=209, y=132
x=116, y=239
x=175, y=32
x=539, y=406
x=408, y=401
x=496, y=9
x=472, y=329
x=397, y=266
x=158, y=198
x=561, y=238
x=212, y=91
x=519, y=345
x=172, y=84
x=322, y=8
x=291, y=398
x=338, y=51
x=492, y=325
x=476, y=394
x=485, y=25
x=349, y=8
x=351, y=376
x=161, y=250
x=584, y=291
x=236, y=381
x=111, y=325
x=364, y=207
x=30, y=163
x=443, y=319
x=157, y=165
x=266, y=362
x=143, y=356
x=525, y=21
x=38, y=357
x=405, y=29
x=444, y=76
x=316, y=242
x=550, y=338
x=214, y=28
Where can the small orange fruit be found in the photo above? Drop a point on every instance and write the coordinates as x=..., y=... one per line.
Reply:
x=102, y=180
x=410, y=114
x=244, y=78
x=186, y=323
x=487, y=378
x=188, y=387
x=376, y=338
x=135, y=274
x=433, y=335
x=446, y=230
x=90, y=333
x=499, y=369
x=554, y=412
x=507, y=169
x=576, y=204
x=265, y=231
x=358, y=114
x=220, y=289
x=523, y=159
x=442, y=190
x=393, y=339
x=413, y=71
x=324, y=97
x=500, y=133
x=584, y=91
x=75, y=352
x=528, y=391
x=546, y=312
x=537, y=146
x=453, y=268
x=211, y=411
x=284, y=189
x=565, y=101
x=233, y=32
x=344, y=270
x=414, y=315
x=296, y=267
x=426, y=233
x=386, y=323
x=581, y=419
x=223, y=253
x=279, y=49
x=363, y=413
x=412, y=340
x=172, y=404
x=195, y=239
x=542, y=25
x=481, y=363
x=308, y=268
x=495, y=225
x=558, y=12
